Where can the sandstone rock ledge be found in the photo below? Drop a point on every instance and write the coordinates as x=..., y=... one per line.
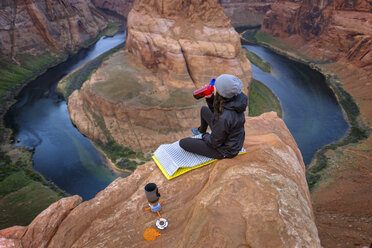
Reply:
x=259, y=199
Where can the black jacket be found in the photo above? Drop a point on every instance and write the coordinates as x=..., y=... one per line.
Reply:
x=228, y=133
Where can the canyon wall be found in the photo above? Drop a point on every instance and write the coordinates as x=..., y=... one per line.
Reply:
x=121, y=7
x=185, y=42
x=126, y=103
x=34, y=27
x=258, y=199
x=142, y=97
x=336, y=37
x=325, y=30
x=246, y=13
x=240, y=12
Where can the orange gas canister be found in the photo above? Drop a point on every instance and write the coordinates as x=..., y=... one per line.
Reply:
x=205, y=90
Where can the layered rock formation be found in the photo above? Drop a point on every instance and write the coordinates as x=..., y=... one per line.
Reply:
x=325, y=30
x=246, y=13
x=240, y=12
x=33, y=27
x=185, y=42
x=125, y=102
x=121, y=7
x=340, y=34
x=259, y=199
x=344, y=195
x=143, y=98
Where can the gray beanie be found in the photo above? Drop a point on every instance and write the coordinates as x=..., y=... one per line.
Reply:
x=228, y=85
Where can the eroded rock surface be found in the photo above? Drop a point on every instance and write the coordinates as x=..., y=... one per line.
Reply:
x=143, y=97
x=259, y=199
x=344, y=195
x=35, y=27
x=48, y=221
x=246, y=13
x=240, y=12
x=325, y=30
x=121, y=7
x=185, y=42
x=336, y=36
x=124, y=102
x=42, y=228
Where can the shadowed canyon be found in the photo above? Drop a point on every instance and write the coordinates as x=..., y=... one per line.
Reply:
x=137, y=96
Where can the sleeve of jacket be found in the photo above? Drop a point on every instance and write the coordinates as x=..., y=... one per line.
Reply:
x=218, y=136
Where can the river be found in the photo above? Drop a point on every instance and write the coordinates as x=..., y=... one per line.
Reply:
x=63, y=155
x=310, y=108
x=40, y=120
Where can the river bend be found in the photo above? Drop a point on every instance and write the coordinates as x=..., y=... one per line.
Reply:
x=63, y=155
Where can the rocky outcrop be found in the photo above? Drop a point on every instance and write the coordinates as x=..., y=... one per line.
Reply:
x=121, y=7
x=345, y=182
x=124, y=102
x=246, y=13
x=185, y=42
x=259, y=199
x=324, y=30
x=340, y=34
x=46, y=223
x=34, y=27
x=143, y=98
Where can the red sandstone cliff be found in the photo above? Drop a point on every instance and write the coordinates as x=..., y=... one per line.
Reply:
x=125, y=102
x=246, y=13
x=325, y=30
x=185, y=41
x=121, y=7
x=340, y=33
x=142, y=97
x=33, y=27
x=259, y=199
x=240, y=12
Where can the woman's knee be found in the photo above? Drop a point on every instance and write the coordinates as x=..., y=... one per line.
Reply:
x=184, y=143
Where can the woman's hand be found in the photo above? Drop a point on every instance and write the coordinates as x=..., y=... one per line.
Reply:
x=212, y=93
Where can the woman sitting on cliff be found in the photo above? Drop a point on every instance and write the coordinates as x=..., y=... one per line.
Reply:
x=225, y=117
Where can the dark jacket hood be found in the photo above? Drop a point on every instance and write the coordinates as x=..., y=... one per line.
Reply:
x=238, y=103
